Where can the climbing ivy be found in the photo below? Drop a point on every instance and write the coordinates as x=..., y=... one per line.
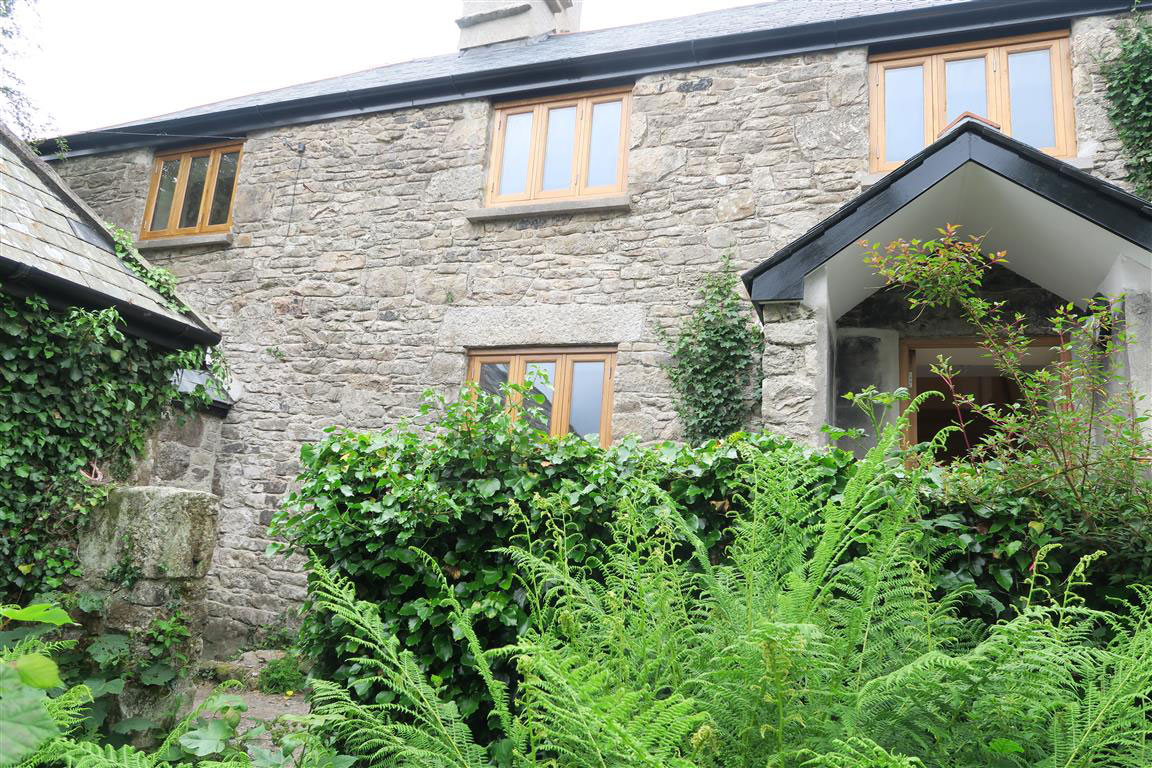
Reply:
x=158, y=279
x=1129, y=78
x=714, y=361
x=78, y=398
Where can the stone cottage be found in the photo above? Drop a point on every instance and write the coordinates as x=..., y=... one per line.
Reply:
x=546, y=199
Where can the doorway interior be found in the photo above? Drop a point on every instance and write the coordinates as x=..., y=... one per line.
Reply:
x=975, y=376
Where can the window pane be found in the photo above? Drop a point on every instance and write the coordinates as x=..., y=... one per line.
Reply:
x=587, y=397
x=193, y=192
x=903, y=112
x=165, y=191
x=493, y=376
x=604, y=150
x=517, y=146
x=222, y=190
x=966, y=88
x=1030, y=84
x=542, y=378
x=560, y=146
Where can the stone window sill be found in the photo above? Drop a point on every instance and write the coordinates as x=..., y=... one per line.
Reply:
x=549, y=208
x=187, y=241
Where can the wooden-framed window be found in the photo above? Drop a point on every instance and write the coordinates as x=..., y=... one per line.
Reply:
x=191, y=192
x=559, y=148
x=575, y=382
x=1023, y=83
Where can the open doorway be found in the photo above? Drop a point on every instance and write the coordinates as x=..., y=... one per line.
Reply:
x=975, y=376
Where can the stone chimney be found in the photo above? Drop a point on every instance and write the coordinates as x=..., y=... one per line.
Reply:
x=485, y=22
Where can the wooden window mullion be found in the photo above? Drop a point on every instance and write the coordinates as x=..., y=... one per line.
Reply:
x=209, y=189
x=563, y=395
x=582, y=137
x=178, y=197
x=537, y=148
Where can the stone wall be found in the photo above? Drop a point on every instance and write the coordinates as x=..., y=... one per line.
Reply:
x=144, y=556
x=355, y=280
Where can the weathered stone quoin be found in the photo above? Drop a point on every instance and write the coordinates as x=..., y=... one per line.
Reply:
x=355, y=279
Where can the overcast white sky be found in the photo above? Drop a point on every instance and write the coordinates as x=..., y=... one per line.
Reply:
x=92, y=63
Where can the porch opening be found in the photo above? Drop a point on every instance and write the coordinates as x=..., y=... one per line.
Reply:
x=975, y=376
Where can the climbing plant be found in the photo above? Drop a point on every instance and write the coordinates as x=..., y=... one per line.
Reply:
x=78, y=398
x=714, y=361
x=1129, y=78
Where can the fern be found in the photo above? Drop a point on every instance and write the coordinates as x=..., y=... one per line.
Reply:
x=817, y=643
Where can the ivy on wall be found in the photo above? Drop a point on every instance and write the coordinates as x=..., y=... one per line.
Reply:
x=78, y=399
x=1129, y=78
x=715, y=361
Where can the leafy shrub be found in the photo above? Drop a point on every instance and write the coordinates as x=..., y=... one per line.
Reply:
x=40, y=724
x=716, y=361
x=1063, y=464
x=283, y=675
x=460, y=489
x=817, y=642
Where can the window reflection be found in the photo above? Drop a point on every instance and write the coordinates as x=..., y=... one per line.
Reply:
x=587, y=398
x=541, y=376
x=903, y=112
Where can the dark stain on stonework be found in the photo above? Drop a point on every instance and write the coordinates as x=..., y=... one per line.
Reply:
x=691, y=86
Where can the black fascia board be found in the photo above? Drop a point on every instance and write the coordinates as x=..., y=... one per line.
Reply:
x=902, y=28
x=19, y=279
x=781, y=277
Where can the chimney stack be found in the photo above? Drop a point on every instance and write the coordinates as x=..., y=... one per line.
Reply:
x=485, y=22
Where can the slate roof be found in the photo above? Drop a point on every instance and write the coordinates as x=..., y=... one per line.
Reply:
x=780, y=14
x=52, y=244
x=600, y=57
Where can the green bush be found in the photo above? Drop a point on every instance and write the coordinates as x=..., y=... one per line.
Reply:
x=459, y=490
x=1064, y=464
x=283, y=675
x=817, y=642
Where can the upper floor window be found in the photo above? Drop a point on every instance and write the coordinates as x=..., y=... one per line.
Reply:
x=1024, y=84
x=575, y=385
x=570, y=147
x=191, y=192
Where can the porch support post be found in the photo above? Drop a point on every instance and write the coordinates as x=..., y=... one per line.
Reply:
x=797, y=364
x=1130, y=283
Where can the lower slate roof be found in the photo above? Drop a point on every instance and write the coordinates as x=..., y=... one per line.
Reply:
x=781, y=277
x=53, y=245
x=602, y=57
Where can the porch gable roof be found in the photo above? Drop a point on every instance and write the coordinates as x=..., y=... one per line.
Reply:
x=781, y=278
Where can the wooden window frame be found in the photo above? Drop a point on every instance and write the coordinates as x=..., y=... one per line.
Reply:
x=579, y=189
x=995, y=53
x=518, y=358
x=185, y=156
x=908, y=351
